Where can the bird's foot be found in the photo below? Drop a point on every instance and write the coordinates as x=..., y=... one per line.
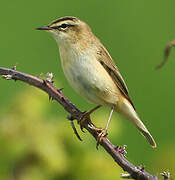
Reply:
x=84, y=117
x=102, y=134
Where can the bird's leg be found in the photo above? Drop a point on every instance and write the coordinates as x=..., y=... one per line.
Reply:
x=103, y=133
x=86, y=115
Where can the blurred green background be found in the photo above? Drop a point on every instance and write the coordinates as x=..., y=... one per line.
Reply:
x=36, y=140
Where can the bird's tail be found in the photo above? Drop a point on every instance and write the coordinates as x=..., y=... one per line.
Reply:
x=127, y=110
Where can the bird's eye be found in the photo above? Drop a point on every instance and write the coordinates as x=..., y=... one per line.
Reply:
x=64, y=26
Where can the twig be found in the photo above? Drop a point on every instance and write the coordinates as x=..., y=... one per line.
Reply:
x=166, y=53
x=117, y=153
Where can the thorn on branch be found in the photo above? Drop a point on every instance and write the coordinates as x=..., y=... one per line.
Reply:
x=15, y=66
x=49, y=77
x=75, y=131
x=121, y=150
x=39, y=76
x=60, y=90
x=51, y=98
x=7, y=77
x=126, y=176
x=141, y=168
x=71, y=118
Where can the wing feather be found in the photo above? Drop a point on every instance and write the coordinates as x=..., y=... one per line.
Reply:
x=112, y=69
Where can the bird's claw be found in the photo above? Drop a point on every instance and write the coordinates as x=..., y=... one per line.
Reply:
x=102, y=134
x=84, y=117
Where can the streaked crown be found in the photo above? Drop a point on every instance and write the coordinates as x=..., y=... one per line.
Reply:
x=68, y=28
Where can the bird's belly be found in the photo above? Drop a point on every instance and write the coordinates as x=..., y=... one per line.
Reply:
x=88, y=77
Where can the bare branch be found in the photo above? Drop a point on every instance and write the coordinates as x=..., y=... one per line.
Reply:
x=118, y=153
x=166, y=53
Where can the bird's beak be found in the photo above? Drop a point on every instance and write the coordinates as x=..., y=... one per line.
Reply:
x=46, y=28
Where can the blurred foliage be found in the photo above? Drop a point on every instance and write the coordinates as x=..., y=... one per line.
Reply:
x=36, y=141
x=36, y=147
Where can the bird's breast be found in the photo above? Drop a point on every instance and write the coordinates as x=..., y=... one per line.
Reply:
x=89, y=78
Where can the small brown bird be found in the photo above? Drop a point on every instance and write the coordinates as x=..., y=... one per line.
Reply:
x=91, y=71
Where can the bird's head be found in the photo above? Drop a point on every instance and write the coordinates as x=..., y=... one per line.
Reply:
x=68, y=29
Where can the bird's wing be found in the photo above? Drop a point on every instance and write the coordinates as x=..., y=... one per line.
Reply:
x=113, y=71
